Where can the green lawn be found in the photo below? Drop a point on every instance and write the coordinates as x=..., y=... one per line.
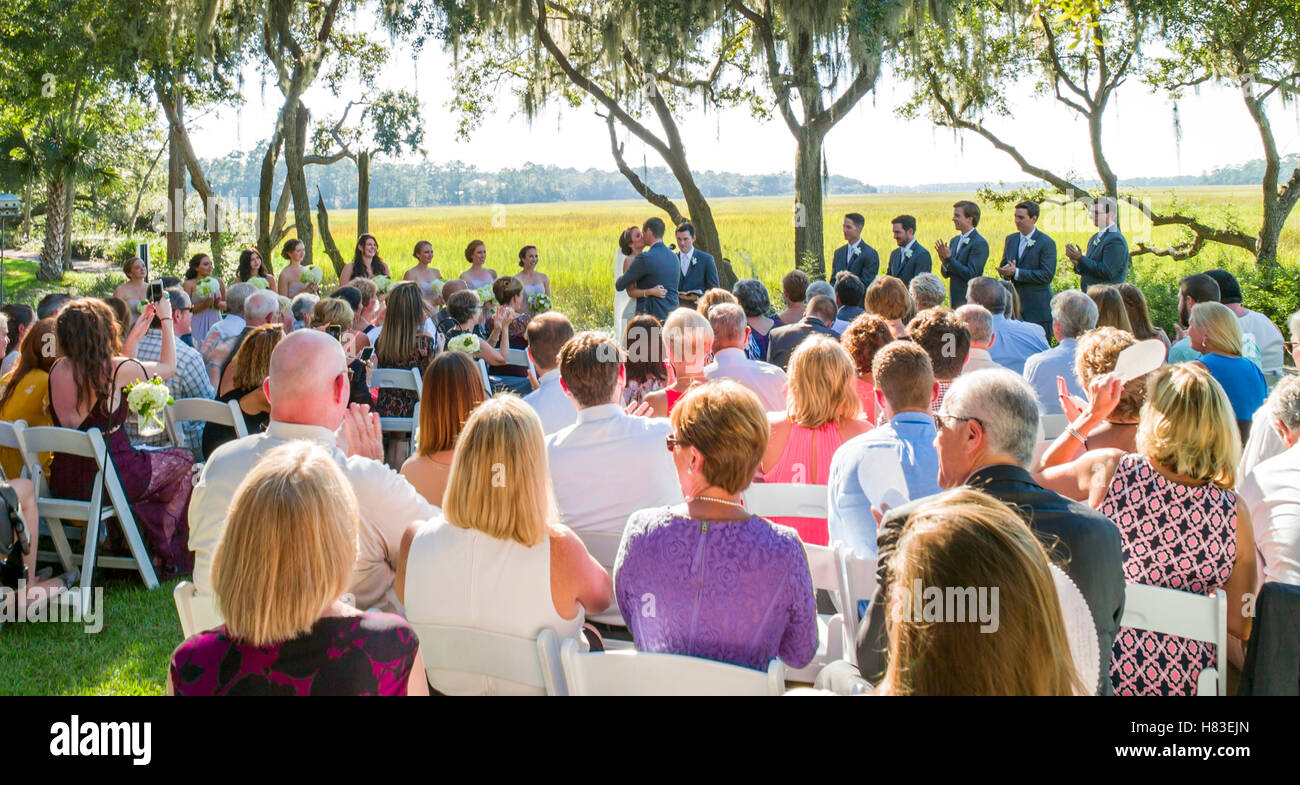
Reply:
x=22, y=286
x=128, y=656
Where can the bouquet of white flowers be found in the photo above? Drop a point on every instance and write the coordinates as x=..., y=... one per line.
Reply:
x=147, y=400
x=208, y=287
x=435, y=286
x=539, y=303
x=467, y=343
x=485, y=294
x=310, y=274
x=257, y=282
x=383, y=283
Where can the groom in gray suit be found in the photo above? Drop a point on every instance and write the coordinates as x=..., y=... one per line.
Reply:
x=1029, y=262
x=1107, y=258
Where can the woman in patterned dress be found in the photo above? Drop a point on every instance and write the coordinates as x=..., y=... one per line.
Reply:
x=1181, y=525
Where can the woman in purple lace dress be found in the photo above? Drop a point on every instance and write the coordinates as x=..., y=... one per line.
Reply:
x=87, y=391
x=286, y=631
x=707, y=578
x=1181, y=525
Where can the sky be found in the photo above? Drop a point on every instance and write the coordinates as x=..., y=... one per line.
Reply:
x=872, y=144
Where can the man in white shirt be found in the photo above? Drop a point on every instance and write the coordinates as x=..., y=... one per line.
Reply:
x=308, y=389
x=232, y=323
x=980, y=323
x=609, y=464
x=730, y=335
x=1271, y=492
x=1265, y=438
x=547, y=332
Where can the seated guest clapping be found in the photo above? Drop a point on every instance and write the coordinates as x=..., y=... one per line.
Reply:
x=452, y=388
x=731, y=333
x=966, y=539
x=822, y=413
x=308, y=391
x=500, y=561
x=547, y=332
x=1181, y=525
x=283, y=561
x=690, y=579
x=689, y=340
x=610, y=463
x=985, y=441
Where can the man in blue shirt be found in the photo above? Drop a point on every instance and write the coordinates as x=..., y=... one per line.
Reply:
x=656, y=266
x=890, y=465
x=1013, y=341
x=1073, y=314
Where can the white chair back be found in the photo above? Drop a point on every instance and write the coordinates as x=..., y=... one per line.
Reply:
x=824, y=569
x=401, y=379
x=786, y=499
x=1186, y=615
x=603, y=546
x=8, y=438
x=483, y=369
x=1053, y=425
x=629, y=672
x=183, y=596
x=857, y=583
x=518, y=357
x=203, y=410
x=528, y=661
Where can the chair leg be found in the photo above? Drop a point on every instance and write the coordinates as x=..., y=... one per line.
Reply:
x=143, y=562
x=60, y=539
x=89, y=552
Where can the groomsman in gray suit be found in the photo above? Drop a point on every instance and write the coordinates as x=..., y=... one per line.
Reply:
x=855, y=255
x=1029, y=262
x=910, y=258
x=964, y=258
x=1107, y=258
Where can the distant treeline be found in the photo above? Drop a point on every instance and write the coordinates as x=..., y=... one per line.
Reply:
x=427, y=184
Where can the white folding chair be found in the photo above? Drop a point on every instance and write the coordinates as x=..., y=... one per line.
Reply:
x=203, y=410
x=183, y=596
x=518, y=357
x=786, y=499
x=55, y=510
x=1053, y=425
x=9, y=439
x=824, y=568
x=857, y=582
x=534, y=662
x=400, y=379
x=630, y=672
x=483, y=369
x=1186, y=615
x=603, y=546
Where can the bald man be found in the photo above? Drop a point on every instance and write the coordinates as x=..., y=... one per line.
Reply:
x=308, y=389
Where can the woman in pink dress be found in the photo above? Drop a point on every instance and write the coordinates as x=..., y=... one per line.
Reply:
x=865, y=336
x=822, y=412
x=1181, y=525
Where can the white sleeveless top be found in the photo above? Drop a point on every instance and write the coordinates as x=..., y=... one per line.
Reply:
x=465, y=578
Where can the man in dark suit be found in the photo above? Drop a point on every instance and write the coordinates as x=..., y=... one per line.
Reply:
x=989, y=421
x=963, y=258
x=654, y=267
x=1029, y=262
x=1107, y=258
x=818, y=318
x=855, y=255
x=699, y=273
x=910, y=258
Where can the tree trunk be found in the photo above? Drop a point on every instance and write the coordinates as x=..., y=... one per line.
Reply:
x=327, y=239
x=809, y=251
x=264, y=193
x=295, y=143
x=175, y=194
x=27, y=209
x=69, y=198
x=706, y=232
x=363, y=192
x=51, y=267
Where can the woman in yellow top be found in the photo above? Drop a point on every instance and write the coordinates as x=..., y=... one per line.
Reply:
x=26, y=393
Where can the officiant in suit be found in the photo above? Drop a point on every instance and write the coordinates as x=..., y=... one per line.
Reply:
x=1107, y=258
x=855, y=255
x=910, y=258
x=653, y=268
x=699, y=272
x=1029, y=262
x=963, y=258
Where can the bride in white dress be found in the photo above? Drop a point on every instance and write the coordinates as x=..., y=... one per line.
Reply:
x=630, y=243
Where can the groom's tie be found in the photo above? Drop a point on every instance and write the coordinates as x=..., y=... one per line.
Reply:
x=1021, y=253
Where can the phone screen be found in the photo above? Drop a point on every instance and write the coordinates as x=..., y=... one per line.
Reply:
x=336, y=331
x=366, y=353
x=155, y=291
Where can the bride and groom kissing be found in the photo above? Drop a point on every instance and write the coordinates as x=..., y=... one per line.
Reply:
x=662, y=279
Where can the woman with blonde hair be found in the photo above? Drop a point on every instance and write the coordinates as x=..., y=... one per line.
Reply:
x=284, y=560
x=688, y=337
x=243, y=382
x=452, y=388
x=888, y=298
x=1214, y=331
x=1111, y=311
x=1180, y=522
x=969, y=539
x=501, y=561
x=822, y=412
x=1095, y=355
x=723, y=583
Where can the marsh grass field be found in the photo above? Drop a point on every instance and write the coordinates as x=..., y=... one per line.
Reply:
x=577, y=240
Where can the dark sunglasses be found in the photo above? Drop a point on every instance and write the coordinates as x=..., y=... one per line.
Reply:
x=673, y=443
x=939, y=418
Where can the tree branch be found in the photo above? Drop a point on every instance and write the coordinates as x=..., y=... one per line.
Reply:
x=651, y=196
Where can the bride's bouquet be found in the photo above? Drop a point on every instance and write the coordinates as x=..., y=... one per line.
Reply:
x=539, y=303
x=383, y=283
x=310, y=274
x=467, y=343
x=208, y=287
x=147, y=401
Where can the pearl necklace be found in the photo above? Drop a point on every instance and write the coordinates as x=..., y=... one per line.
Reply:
x=739, y=505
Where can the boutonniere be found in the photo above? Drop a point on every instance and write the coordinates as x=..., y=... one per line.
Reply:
x=962, y=241
x=907, y=253
x=1029, y=242
x=693, y=260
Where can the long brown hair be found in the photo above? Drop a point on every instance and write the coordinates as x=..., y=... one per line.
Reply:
x=35, y=353
x=453, y=388
x=647, y=357
x=253, y=360
x=1139, y=316
x=398, y=343
x=88, y=336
